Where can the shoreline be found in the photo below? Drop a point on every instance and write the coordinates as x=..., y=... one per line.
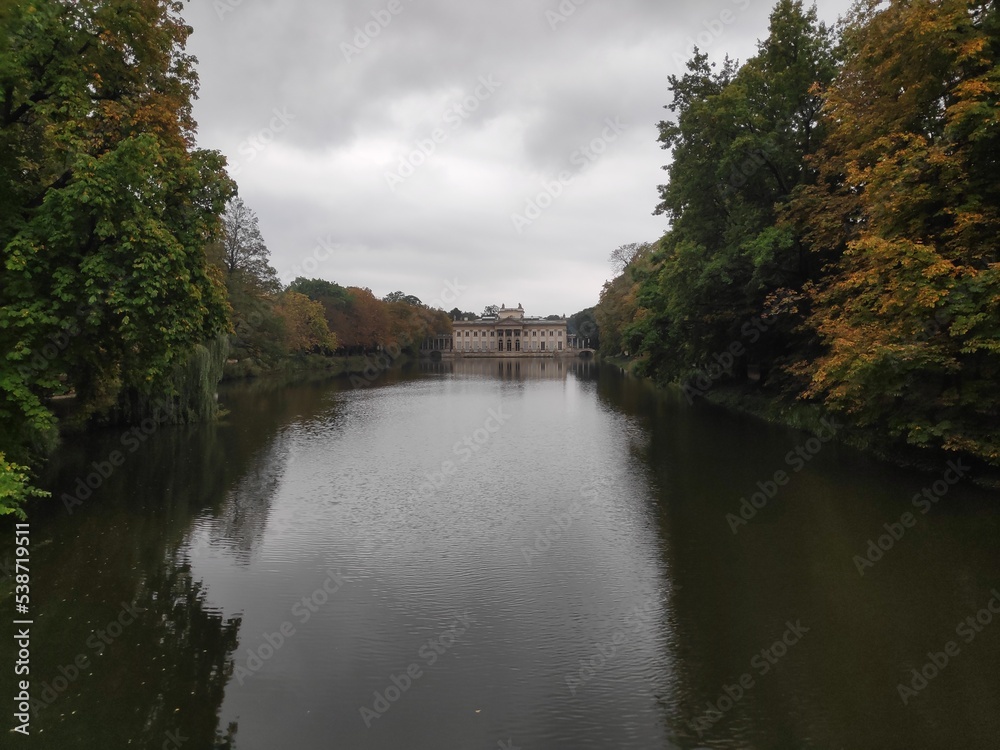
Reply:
x=737, y=398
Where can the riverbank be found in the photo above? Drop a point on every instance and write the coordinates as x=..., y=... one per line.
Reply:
x=308, y=365
x=779, y=410
x=288, y=371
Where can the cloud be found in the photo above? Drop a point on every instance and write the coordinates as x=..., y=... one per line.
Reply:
x=363, y=85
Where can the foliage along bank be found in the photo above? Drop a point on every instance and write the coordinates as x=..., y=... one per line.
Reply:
x=104, y=286
x=123, y=287
x=838, y=195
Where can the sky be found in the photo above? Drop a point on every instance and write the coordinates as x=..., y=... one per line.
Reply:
x=470, y=153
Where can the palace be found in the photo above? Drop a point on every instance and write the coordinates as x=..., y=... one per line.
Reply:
x=509, y=333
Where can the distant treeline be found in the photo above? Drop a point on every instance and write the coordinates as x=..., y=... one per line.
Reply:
x=272, y=323
x=834, y=207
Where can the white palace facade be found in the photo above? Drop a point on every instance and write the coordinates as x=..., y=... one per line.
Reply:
x=509, y=333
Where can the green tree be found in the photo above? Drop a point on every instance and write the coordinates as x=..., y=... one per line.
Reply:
x=259, y=339
x=108, y=207
x=320, y=290
x=245, y=257
x=584, y=325
x=408, y=299
x=740, y=141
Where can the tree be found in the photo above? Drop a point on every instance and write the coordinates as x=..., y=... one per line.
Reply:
x=740, y=139
x=408, y=299
x=491, y=311
x=15, y=488
x=321, y=290
x=252, y=284
x=305, y=324
x=108, y=208
x=245, y=256
x=410, y=325
x=906, y=214
x=625, y=254
x=619, y=311
x=584, y=325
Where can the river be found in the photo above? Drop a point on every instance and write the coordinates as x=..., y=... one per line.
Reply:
x=526, y=554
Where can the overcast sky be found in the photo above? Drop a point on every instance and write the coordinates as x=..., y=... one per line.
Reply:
x=470, y=153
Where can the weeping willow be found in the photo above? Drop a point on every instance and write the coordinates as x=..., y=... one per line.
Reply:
x=188, y=394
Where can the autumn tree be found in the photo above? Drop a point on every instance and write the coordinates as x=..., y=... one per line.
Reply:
x=620, y=314
x=907, y=213
x=305, y=328
x=107, y=208
x=410, y=325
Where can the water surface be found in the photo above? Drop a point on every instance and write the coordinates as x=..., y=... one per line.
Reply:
x=526, y=554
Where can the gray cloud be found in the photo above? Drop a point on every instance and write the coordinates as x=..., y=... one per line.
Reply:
x=352, y=115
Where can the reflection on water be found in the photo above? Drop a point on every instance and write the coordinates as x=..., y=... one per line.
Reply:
x=527, y=368
x=473, y=553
